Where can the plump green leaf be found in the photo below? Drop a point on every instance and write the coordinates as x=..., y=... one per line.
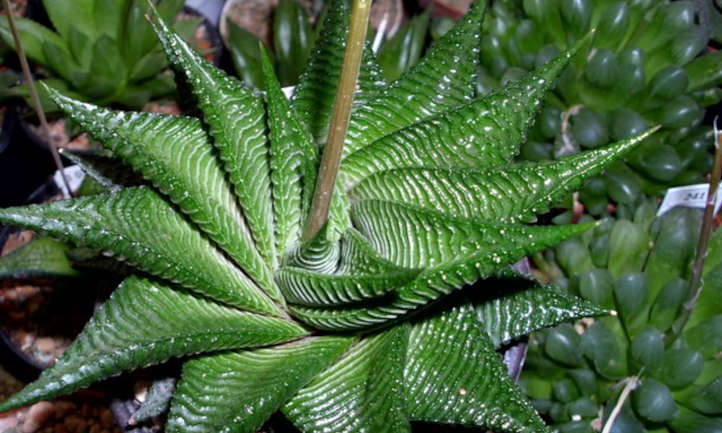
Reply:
x=293, y=162
x=292, y=34
x=40, y=258
x=66, y=15
x=364, y=390
x=140, y=226
x=146, y=322
x=245, y=54
x=513, y=193
x=516, y=307
x=33, y=36
x=176, y=155
x=454, y=376
x=359, y=274
x=443, y=79
x=236, y=117
x=235, y=392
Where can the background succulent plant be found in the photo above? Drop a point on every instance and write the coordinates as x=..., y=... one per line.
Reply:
x=642, y=68
x=366, y=326
x=101, y=50
x=640, y=268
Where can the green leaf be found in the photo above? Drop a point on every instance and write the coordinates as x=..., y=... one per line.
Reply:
x=146, y=322
x=443, y=79
x=245, y=54
x=40, y=258
x=454, y=252
x=140, y=226
x=484, y=133
x=516, y=307
x=359, y=274
x=107, y=70
x=104, y=168
x=156, y=402
x=512, y=193
x=293, y=162
x=291, y=37
x=33, y=36
x=237, y=121
x=67, y=15
x=705, y=71
x=176, y=155
x=60, y=60
x=403, y=50
x=316, y=91
x=109, y=17
x=454, y=376
x=363, y=391
x=237, y=391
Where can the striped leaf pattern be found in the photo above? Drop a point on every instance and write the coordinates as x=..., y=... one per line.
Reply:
x=484, y=133
x=454, y=376
x=517, y=307
x=40, y=258
x=119, y=338
x=175, y=154
x=216, y=389
x=516, y=192
x=363, y=391
x=361, y=273
x=443, y=79
x=428, y=203
x=293, y=162
x=237, y=121
x=137, y=224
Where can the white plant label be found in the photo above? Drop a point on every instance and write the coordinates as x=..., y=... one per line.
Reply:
x=688, y=196
x=75, y=176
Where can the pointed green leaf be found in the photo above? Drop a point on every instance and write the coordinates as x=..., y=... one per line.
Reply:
x=484, y=133
x=293, y=162
x=512, y=193
x=316, y=91
x=359, y=274
x=33, y=36
x=417, y=238
x=454, y=252
x=443, y=79
x=40, y=258
x=146, y=322
x=363, y=392
x=104, y=168
x=319, y=254
x=140, y=226
x=236, y=117
x=235, y=392
x=454, y=376
x=176, y=155
x=516, y=307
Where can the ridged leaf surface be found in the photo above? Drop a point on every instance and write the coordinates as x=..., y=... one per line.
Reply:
x=517, y=307
x=40, y=258
x=293, y=162
x=359, y=274
x=146, y=322
x=484, y=133
x=443, y=79
x=364, y=390
x=454, y=376
x=176, y=154
x=237, y=121
x=516, y=192
x=140, y=226
x=235, y=392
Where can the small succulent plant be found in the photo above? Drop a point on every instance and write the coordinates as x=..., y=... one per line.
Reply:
x=639, y=268
x=101, y=50
x=391, y=313
x=647, y=64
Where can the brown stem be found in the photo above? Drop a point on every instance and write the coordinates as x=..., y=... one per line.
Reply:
x=331, y=159
x=34, y=96
x=707, y=222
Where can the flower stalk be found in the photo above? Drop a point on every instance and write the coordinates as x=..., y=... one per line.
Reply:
x=331, y=159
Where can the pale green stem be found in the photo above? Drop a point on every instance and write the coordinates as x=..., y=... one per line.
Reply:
x=331, y=159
